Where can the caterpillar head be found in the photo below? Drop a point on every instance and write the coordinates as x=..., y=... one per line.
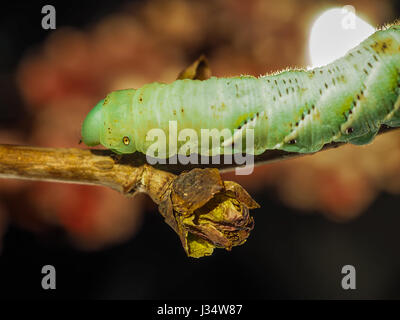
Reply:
x=108, y=123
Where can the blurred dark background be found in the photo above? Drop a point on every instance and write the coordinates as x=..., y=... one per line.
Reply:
x=317, y=213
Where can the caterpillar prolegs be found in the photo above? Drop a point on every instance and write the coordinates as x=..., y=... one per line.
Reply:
x=295, y=110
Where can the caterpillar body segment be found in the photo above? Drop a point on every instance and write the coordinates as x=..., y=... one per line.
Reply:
x=297, y=110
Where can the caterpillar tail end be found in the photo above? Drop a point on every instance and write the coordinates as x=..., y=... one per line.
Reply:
x=92, y=127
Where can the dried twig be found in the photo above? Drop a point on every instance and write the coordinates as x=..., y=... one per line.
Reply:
x=204, y=211
x=126, y=173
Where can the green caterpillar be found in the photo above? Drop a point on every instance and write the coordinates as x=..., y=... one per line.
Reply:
x=297, y=110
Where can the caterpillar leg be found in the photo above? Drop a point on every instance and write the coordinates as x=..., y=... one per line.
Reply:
x=364, y=139
x=394, y=120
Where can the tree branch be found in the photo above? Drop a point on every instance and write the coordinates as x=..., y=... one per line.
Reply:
x=192, y=203
x=124, y=173
x=184, y=201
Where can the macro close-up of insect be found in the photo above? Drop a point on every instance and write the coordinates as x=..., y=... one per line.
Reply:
x=186, y=152
x=295, y=110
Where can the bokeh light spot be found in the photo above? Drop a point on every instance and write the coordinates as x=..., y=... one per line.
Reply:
x=335, y=32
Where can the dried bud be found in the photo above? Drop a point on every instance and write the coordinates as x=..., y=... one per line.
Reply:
x=207, y=212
